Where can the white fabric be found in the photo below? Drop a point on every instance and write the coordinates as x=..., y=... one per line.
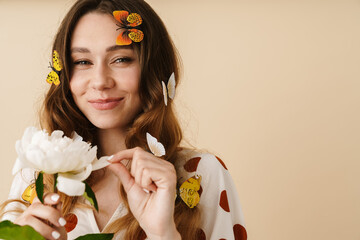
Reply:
x=217, y=223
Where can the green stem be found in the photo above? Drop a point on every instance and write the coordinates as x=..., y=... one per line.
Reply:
x=55, y=182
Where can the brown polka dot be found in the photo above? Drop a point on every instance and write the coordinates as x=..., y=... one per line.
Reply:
x=239, y=232
x=200, y=235
x=192, y=164
x=200, y=191
x=222, y=163
x=71, y=222
x=222, y=239
x=224, y=204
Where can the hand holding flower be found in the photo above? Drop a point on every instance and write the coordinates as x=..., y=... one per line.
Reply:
x=71, y=160
x=44, y=218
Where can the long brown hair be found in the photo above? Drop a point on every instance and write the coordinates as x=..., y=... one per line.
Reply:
x=158, y=59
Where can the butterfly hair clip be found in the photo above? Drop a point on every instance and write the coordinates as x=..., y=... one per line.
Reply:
x=128, y=24
x=56, y=66
x=189, y=191
x=155, y=147
x=169, y=90
x=29, y=194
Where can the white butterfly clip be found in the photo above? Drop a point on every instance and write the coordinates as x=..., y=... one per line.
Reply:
x=155, y=147
x=170, y=89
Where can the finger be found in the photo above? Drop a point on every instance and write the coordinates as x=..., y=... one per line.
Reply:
x=42, y=228
x=142, y=160
x=147, y=182
x=133, y=168
x=141, y=163
x=138, y=165
x=59, y=206
x=137, y=173
x=49, y=199
x=123, y=174
x=159, y=178
x=122, y=155
x=62, y=231
x=47, y=213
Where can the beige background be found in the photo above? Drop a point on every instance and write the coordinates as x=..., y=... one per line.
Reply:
x=271, y=86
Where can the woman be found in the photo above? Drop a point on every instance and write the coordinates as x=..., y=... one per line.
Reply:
x=112, y=95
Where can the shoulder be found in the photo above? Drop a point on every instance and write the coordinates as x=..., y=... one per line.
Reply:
x=191, y=162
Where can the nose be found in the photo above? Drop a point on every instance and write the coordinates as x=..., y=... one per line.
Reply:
x=102, y=79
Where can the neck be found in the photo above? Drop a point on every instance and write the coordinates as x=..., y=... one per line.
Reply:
x=111, y=141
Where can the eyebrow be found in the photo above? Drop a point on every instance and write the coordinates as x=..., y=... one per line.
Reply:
x=109, y=49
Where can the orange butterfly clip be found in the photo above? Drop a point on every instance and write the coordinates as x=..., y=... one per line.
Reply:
x=127, y=25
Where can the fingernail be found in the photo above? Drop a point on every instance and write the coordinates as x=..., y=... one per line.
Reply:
x=145, y=190
x=111, y=157
x=55, y=197
x=62, y=221
x=55, y=234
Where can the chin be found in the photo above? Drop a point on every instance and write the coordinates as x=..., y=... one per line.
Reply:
x=107, y=124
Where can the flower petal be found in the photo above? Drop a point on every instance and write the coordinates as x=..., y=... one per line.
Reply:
x=56, y=134
x=69, y=186
x=101, y=163
x=76, y=137
x=81, y=175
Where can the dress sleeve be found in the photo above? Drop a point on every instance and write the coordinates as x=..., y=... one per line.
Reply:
x=21, y=181
x=222, y=216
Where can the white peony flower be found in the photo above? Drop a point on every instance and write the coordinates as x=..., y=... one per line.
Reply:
x=73, y=159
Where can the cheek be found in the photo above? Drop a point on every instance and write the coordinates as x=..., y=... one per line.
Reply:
x=132, y=83
x=76, y=86
x=134, y=87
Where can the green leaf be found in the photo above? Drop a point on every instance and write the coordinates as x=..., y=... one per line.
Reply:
x=11, y=231
x=96, y=236
x=40, y=187
x=90, y=195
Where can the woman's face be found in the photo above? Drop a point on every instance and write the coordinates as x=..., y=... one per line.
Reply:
x=105, y=77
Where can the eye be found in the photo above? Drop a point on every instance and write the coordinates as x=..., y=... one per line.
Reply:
x=123, y=59
x=82, y=62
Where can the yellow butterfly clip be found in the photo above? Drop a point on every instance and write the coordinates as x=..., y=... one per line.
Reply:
x=29, y=194
x=54, y=75
x=189, y=191
x=169, y=90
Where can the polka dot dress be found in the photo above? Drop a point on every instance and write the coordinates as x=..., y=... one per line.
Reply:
x=222, y=217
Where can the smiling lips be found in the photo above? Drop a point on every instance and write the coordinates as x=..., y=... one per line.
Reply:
x=105, y=104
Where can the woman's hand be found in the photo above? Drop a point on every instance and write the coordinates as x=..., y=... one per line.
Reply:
x=44, y=218
x=151, y=189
